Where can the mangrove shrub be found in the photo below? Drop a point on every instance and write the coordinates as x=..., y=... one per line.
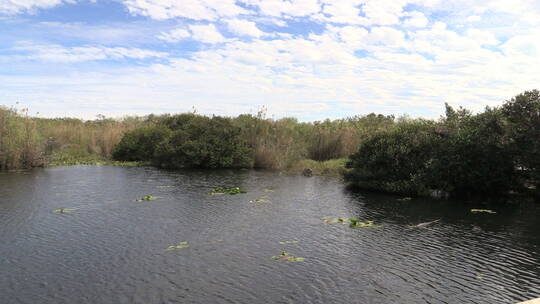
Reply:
x=140, y=144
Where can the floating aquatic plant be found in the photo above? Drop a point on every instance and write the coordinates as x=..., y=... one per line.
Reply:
x=147, y=198
x=268, y=190
x=260, y=201
x=165, y=187
x=404, y=199
x=289, y=242
x=179, y=246
x=231, y=191
x=284, y=256
x=355, y=223
x=483, y=211
x=340, y=220
x=64, y=210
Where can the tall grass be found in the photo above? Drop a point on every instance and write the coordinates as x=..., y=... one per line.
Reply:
x=19, y=140
x=283, y=143
x=276, y=144
x=27, y=141
x=83, y=138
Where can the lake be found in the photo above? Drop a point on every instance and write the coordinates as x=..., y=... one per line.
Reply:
x=109, y=248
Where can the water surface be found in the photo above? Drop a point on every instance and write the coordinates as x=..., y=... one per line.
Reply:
x=111, y=248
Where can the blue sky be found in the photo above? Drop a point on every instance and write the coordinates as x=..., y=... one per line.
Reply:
x=311, y=59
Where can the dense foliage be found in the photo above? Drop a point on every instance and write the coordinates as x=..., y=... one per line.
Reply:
x=140, y=144
x=488, y=154
x=202, y=142
x=196, y=141
x=462, y=154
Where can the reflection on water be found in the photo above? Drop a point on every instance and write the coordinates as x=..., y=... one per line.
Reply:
x=112, y=249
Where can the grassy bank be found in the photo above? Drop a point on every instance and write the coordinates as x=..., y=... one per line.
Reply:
x=67, y=159
x=333, y=167
x=276, y=144
x=27, y=142
x=462, y=154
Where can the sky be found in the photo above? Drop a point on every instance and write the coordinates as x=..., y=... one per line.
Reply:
x=310, y=59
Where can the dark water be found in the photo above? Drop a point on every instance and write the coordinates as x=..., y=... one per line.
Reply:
x=111, y=249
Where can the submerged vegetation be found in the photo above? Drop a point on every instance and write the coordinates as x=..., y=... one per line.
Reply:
x=147, y=198
x=230, y=191
x=352, y=222
x=64, y=210
x=285, y=256
x=492, y=153
x=179, y=246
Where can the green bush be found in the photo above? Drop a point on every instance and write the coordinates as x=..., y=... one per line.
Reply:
x=523, y=118
x=140, y=144
x=472, y=158
x=396, y=160
x=202, y=142
x=463, y=155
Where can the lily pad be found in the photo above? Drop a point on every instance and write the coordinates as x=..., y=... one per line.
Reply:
x=284, y=256
x=355, y=223
x=230, y=191
x=340, y=220
x=64, y=210
x=289, y=242
x=483, y=211
x=147, y=198
x=179, y=246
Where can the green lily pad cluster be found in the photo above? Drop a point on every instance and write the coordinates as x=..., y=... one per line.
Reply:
x=179, y=246
x=353, y=222
x=147, y=198
x=284, y=256
x=231, y=191
x=483, y=211
x=64, y=210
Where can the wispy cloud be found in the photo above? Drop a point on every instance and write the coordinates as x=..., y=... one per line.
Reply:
x=310, y=58
x=58, y=53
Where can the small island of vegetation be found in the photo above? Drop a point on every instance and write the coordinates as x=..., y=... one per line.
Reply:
x=490, y=154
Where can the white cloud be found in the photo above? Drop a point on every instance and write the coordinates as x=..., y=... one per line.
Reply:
x=474, y=18
x=206, y=33
x=409, y=58
x=191, y=9
x=278, y=8
x=523, y=46
x=175, y=35
x=244, y=28
x=482, y=37
x=415, y=19
x=11, y=7
x=57, y=53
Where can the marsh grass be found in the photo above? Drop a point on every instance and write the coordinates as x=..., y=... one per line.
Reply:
x=19, y=140
x=276, y=144
x=333, y=167
x=27, y=142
